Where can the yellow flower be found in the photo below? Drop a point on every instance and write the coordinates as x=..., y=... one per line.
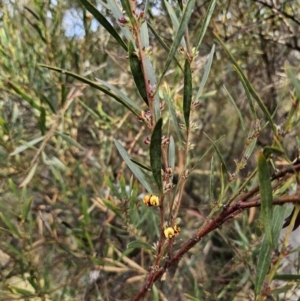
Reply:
x=169, y=232
x=176, y=229
x=151, y=200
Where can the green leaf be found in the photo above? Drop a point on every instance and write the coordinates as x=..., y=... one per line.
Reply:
x=268, y=150
x=94, y=85
x=224, y=167
x=26, y=208
x=137, y=72
x=29, y=176
x=4, y=125
x=211, y=181
x=26, y=145
x=248, y=95
x=295, y=81
x=287, y=277
x=180, y=32
x=248, y=84
x=250, y=147
x=265, y=189
x=85, y=210
x=172, y=153
x=21, y=291
x=133, y=167
x=155, y=153
x=136, y=244
x=13, y=188
x=144, y=35
x=237, y=109
x=103, y=21
x=264, y=257
x=141, y=165
x=206, y=22
x=163, y=44
x=70, y=140
x=206, y=72
x=120, y=94
x=173, y=116
x=112, y=187
x=24, y=95
x=10, y=225
x=187, y=93
x=277, y=222
x=174, y=20
x=113, y=208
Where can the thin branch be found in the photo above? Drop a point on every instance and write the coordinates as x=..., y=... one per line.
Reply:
x=227, y=213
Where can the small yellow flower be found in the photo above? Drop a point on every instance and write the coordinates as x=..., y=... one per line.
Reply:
x=169, y=232
x=176, y=229
x=151, y=200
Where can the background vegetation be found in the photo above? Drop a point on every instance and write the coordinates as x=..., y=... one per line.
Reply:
x=70, y=207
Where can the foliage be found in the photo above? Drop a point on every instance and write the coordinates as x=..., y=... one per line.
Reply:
x=118, y=147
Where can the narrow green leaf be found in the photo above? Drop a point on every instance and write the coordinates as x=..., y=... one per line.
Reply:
x=136, y=244
x=113, y=208
x=295, y=81
x=141, y=165
x=24, y=95
x=287, y=277
x=26, y=145
x=248, y=95
x=263, y=266
x=85, y=208
x=112, y=187
x=144, y=35
x=137, y=72
x=26, y=208
x=155, y=153
x=172, y=153
x=29, y=176
x=187, y=93
x=207, y=152
x=264, y=257
x=237, y=109
x=277, y=222
x=173, y=116
x=265, y=189
x=174, y=20
x=206, y=22
x=163, y=44
x=103, y=21
x=21, y=291
x=268, y=150
x=134, y=168
x=224, y=167
x=250, y=147
x=10, y=225
x=70, y=140
x=211, y=180
x=92, y=84
x=120, y=94
x=248, y=84
x=4, y=125
x=42, y=121
x=13, y=188
x=180, y=32
x=92, y=112
x=206, y=72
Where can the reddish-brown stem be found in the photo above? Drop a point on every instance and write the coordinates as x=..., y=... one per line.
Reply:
x=228, y=213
